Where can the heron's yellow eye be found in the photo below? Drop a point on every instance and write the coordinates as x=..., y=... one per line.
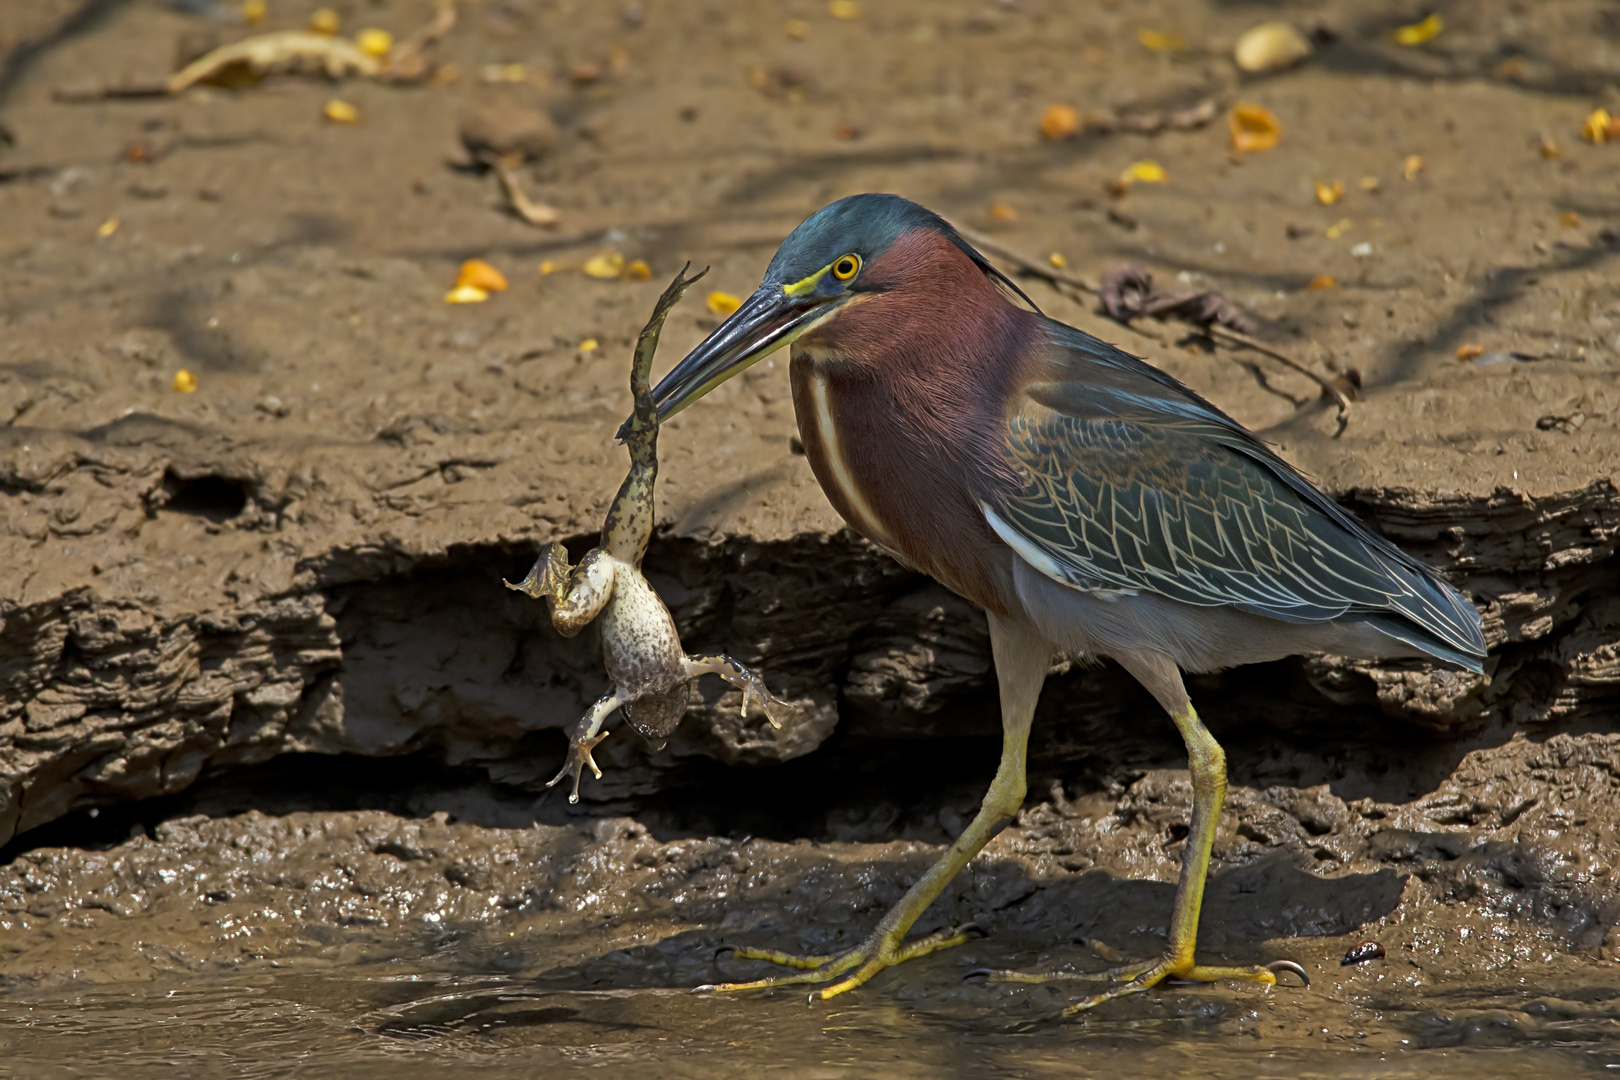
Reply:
x=845, y=267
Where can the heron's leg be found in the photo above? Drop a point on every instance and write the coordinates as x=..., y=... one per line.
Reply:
x=585, y=739
x=1207, y=764
x=1022, y=659
x=755, y=693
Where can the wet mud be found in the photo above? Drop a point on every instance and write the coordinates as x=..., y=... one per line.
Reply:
x=272, y=734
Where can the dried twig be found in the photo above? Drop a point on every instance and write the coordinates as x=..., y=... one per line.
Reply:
x=534, y=213
x=406, y=62
x=1215, y=330
x=277, y=52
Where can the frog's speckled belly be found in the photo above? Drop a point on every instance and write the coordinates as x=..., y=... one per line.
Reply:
x=642, y=653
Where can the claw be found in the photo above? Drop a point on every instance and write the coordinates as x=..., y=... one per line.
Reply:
x=1277, y=966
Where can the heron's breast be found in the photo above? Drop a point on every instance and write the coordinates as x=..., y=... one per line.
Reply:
x=841, y=465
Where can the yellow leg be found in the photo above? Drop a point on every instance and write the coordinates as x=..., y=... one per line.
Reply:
x=1021, y=660
x=1207, y=763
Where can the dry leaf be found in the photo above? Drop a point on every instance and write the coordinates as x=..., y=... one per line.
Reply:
x=1337, y=229
x=324, y=21
x=604, y=265
x=184, y=382
x=638, y=270
x=723, y=303
x=107, y=228
x=548, y=267
x=1059, y=122
x=1057, y=260
x=1159, y=42
x=1369, y=183
x=1271, y=46
x=1253, y=127
x=1321, y=281
x=798, y=29
x=844, y=9
x=590, y=344
x=1470, y=352
x=283, y=51
x=253, y=12
x=1412, y=166
x=1419, y=32
x=1328, y=194
x=1003, y=212
x=481, y=275
x=466, y=294
x=1548, y=149
x=1569, y=219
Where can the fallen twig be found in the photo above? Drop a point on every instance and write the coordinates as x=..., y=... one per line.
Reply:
x=534, y=213
x=1213, y=329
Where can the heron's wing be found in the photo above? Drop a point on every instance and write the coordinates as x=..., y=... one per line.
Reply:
x=1134, y=484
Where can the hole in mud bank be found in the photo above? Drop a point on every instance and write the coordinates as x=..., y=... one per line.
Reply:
x=215, y=498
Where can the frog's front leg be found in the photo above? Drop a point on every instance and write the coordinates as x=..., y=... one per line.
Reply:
x=585, y=739
x=755, y=693
x=575, y=599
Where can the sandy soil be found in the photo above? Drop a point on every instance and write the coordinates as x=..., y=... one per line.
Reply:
x=271, y=732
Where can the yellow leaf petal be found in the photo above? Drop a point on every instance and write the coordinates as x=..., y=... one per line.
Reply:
x=1470, y=352
x=466, y=294
x=373, y=42
x=324, y=21
x=589, y=345
x=184, y=382
x=1059, y=122
x=1599, y=127
x=1328, y=194
x=1057, y=260
x=1412, y=166
x=107, y=228
x=481, y=275
x=1253, y=127
x=844, y=9
x=1419, y=32
x=604, y=265
x=724, y=303
x=548, y=267
x=1321, y=281
x=1144, y=172
x=1337, y=229
x=1002, y=212
x=638, y=270
x=1159, y=42
x=797, y=29
x=253, y=12
x=341, y=112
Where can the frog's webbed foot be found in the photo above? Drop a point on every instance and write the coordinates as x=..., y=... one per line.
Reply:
x=756, y=695
x=586, y=736
x=548, y=577
x=579, y=758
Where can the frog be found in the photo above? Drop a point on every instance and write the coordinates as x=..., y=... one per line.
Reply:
x=641, y=648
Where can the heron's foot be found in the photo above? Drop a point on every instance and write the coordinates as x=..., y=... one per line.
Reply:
x=1135, y=978
x=850, y=969
x=547, y=577
x=579, y=758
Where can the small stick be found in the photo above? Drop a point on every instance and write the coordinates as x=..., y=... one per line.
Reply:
x=534, y=213
x=1215, y=330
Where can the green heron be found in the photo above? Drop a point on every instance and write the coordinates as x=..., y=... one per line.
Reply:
x=1090, y=503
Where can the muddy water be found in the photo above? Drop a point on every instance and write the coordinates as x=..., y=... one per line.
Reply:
x=429, y=1014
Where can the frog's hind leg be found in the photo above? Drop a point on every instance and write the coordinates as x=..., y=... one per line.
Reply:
x=755, y=692
x=586, y=736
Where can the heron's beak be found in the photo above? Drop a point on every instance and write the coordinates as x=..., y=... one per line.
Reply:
x=768, y=320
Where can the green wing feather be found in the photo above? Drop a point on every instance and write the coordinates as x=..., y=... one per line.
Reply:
x=1134, y=484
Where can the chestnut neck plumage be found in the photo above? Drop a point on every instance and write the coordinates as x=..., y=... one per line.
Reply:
x=902, y=401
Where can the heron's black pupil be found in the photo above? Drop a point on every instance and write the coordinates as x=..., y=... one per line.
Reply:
x=846, y=267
